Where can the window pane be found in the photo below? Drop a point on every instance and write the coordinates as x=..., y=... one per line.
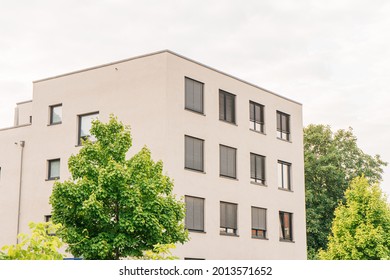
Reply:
x=251, y=111
x=85, y=126
x=286, y=177
x=227, y=161
x=193, y=95
x=198, y=97
x=221, y=106
x=194, y=213
x=189, y=93
x=259, y=218
x=230, y=108
x=278, y=121
x=56, y=114
x=226, y=106
x=280, y=175
x=189, y=152
x=54, y=169
x=193, y=153
x=228, y=217
x=253, y=166
x=223, y=160
x=232, y=162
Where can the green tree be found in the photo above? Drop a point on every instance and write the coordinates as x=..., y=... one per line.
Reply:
x=361, y=227
x=332, y=160
x=41, y=245
x=112, y=207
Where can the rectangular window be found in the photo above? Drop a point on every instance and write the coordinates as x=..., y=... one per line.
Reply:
x=193, y=95
x=256, y=116
x=283, y=126
x=85, y=124
x=53, y=169
x=258, y=168
x=227, y=161
x=259, y=222
x=285, y=220
x=284, y=175
x=227, y=107
x=228, y=218
x=194, y=220
x=56, y=114
x=193, y=153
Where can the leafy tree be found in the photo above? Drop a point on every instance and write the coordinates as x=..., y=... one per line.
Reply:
x=332, y=160
x=361, y=227
x=113, y=208
x=42, y=245
x=160, y=252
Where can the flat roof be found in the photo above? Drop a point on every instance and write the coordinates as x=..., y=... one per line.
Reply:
x=173, y=53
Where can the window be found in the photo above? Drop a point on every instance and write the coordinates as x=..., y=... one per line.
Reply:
x=258, y=168
x=85, y=124
x=284, y=175
x=228, y=218
x=193, y=95
x=53, y=169
x=194, y=213
x=47, y=218
x=256, y=116
x=227, y=107
x=285, y=226
x=227, y=161
x=56, y=114
x=283, y=126
x=193, y=153
x=259, y=222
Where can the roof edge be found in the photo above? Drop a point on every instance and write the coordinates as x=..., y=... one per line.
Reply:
x=23, y=102
x=173, y=53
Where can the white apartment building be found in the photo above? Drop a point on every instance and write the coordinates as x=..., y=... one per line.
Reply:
x=233, y=149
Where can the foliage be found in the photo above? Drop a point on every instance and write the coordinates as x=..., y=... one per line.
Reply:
x=42, y=245
x=332, y=160
x=361, y=227
x=159, y=252
x=112, y=207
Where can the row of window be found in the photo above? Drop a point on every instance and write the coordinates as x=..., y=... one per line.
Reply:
x=194, y=220
x=194, y=160
x=84, y=121
x=194, y=101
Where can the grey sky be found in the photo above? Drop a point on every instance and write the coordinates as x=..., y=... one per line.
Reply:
x=333, y=56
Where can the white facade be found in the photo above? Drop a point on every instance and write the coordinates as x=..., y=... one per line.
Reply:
x=148, y=93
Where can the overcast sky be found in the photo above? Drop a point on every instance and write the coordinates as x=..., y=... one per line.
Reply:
x=333, y=56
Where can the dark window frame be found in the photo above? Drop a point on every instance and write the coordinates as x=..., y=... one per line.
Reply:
x=283, y=228
x=223, y=114
x=256, y=178
x=49, y=169
x=185, y=154
x=257, y=232
x=224, y=228
x=202, y=229
x=186, y=95
x=235, y=162
x=283, y=133
x=51, y=110
x=80, y=117
x=252, y=117
x=285, y=177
